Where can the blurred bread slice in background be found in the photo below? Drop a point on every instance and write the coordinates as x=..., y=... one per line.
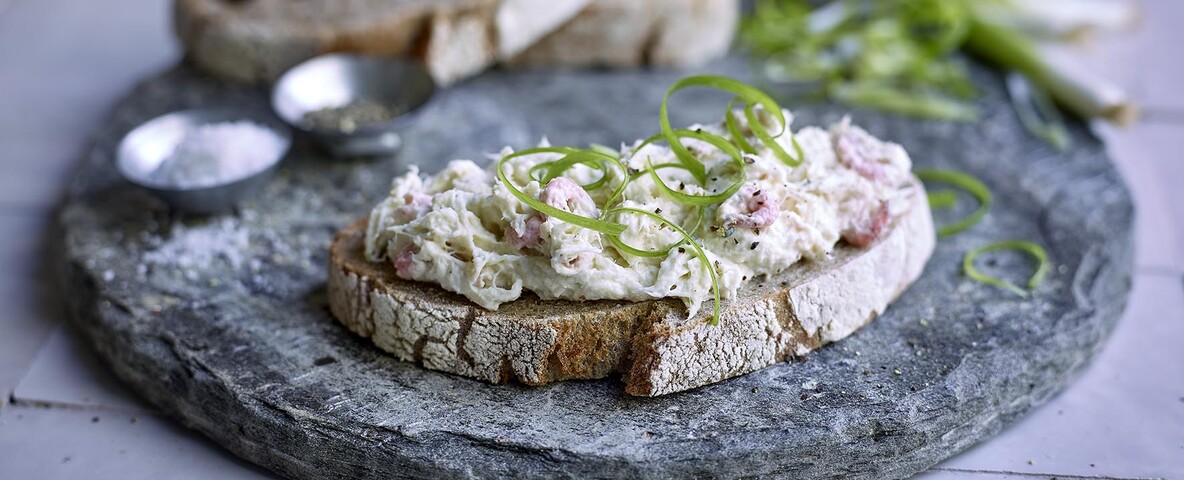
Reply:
x=624, y=33
x=257, y=40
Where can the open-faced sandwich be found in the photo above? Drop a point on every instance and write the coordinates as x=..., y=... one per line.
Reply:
x=680, y=260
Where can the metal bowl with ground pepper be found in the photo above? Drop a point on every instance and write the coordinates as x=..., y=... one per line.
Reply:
x=353, y=105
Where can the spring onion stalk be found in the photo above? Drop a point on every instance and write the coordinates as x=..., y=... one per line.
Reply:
x=1036, y=251
x=1070, y=20
x=1049, y=68
x=966, y=182
x=916, y=104
x=895, y=55
x=888, y=55
x=698, y=252
x=1037, y=113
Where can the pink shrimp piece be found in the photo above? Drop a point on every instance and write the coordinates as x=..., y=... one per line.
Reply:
x=561, y=193
x=416, y=204
x=855, y=153
x=565, y=194
x=404, y=262
x=761, y=211
x=529, y=237
x=867, y=231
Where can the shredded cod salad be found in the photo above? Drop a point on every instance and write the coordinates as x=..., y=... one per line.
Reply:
x=689, y=213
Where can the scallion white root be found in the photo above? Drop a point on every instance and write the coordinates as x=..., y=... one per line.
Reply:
x=1064, y=20
x=1051, y=69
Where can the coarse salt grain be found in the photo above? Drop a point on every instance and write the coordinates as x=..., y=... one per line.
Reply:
x=218, y=153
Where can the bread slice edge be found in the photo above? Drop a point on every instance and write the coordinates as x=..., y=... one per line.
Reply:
x=651, y=343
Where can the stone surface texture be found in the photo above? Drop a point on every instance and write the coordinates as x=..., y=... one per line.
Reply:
x=222, y=321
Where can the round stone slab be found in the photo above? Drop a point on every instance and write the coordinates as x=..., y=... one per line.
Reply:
x=222, y=321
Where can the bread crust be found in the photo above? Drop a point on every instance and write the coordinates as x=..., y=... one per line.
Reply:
x=651, y=344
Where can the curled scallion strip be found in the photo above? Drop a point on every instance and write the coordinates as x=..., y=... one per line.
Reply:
x=687, y=239
x=533, y=172
x=602, y=226
x=591, y=159
x=965, y=182
x=691, y=199
x=625, y=247
x=734, y=130
x=604, y=150
x=942, y=199
x=745, y=92
x=715, y=140
x=699, y=216
x=1036, y=251
x=630, y=177
x=759, y=130
x=700, y=200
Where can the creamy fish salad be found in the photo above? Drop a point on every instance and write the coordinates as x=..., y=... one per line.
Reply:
x=466, y=231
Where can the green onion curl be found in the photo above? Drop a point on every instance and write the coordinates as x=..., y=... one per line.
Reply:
x=1036, y=251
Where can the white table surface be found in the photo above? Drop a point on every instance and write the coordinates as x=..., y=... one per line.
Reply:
x=63, y=63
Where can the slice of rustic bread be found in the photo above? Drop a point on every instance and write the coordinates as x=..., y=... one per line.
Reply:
x=257, y=40
x=651, y=343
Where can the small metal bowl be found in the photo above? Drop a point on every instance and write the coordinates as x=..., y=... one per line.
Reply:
x=143, y=150
x=338, y=80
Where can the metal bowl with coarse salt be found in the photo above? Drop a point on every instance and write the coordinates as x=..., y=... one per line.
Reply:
x=204, y=160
